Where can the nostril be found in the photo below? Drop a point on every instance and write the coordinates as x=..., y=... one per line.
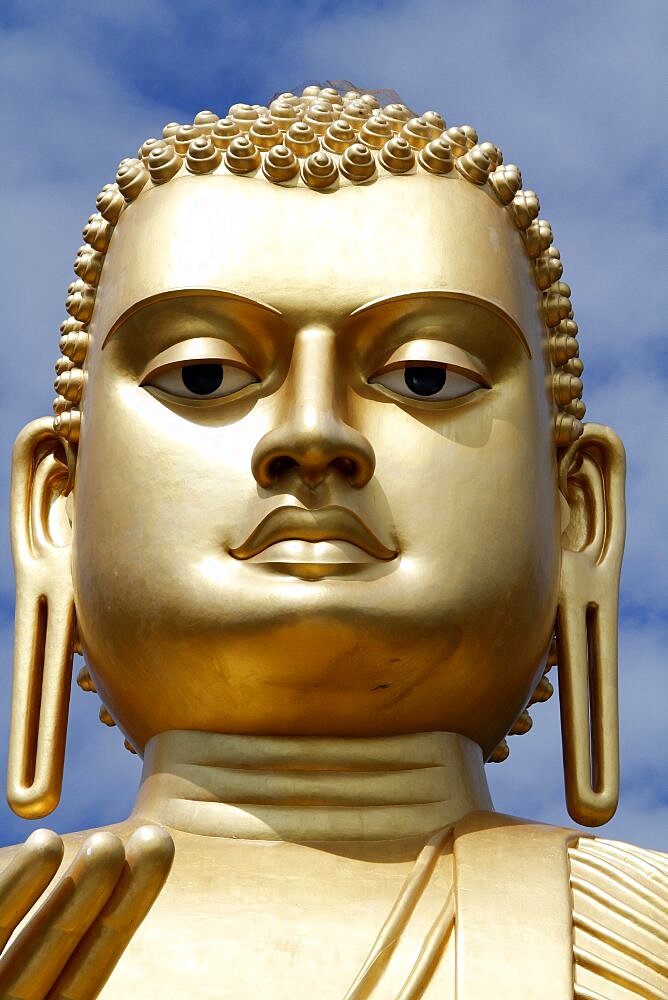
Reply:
x=280, y=465
x=346, y=466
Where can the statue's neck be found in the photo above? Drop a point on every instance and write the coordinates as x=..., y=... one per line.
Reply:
x=310, y=789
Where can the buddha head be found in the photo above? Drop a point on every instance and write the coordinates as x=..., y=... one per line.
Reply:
x=318, y=464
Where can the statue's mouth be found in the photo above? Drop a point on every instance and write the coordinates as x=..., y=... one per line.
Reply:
x=326, y=524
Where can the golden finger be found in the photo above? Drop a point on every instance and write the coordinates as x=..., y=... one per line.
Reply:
x=149, y=855
x=26, y=877
x=37, y=956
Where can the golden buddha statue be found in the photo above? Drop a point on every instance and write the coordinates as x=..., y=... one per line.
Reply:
x=319, y=508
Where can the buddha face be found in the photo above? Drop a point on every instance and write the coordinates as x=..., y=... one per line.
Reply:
x=316, y=487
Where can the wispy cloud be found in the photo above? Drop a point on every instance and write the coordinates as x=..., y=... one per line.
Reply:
x=573, y=97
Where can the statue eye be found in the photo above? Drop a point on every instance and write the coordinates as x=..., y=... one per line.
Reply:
x=202, y=380
x=427, y=382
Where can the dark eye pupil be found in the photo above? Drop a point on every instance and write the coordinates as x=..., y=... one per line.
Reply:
x=202, y=379
x=425, y=381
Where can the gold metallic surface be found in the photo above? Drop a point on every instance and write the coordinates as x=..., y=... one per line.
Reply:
x=170, y=129
x=131, y=177
x=60, y=404
x=397, y=115
x=493, y=153
x=319, y=170
x=356, y=112
x=241, y=156
x=457, y=138
x=183, y=136
x=223, y=132
x=339, y=136
x=63, y=365
x=244, y=115
x=280, y=164
x=417, y=132
x=88, y=264
x=475, y=165
x=436, y=157
x=506, y=181
x=320, y=116
x=538, y=237
x=67, y=425
x=283, y=113
x=627, y=951
x=163, y=163
x=318, y=507
x=205, y=121
x=97, y=232
x=264, y=133
x=358, y=163
x=301, y=139
x=109, y=203
x=435, y=121
x=376, y=131
x=397, y=155
x=144, y=150
x=202, y=156
x=525, y=207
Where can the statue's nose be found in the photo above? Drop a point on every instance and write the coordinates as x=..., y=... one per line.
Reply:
x=314, y=450
x=311, y=435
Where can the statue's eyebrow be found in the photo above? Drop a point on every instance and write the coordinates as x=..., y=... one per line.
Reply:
x=184, y=293
x=438, y=293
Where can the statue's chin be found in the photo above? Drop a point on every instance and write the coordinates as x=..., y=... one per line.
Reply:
x=316, y=677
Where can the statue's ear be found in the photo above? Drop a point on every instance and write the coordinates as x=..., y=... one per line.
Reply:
x=45, y=622
x=591, y=478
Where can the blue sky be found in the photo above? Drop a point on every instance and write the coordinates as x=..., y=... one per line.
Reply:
x=573, y=93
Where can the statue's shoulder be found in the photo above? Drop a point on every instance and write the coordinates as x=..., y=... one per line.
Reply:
x=579, y=905
x=620, y=918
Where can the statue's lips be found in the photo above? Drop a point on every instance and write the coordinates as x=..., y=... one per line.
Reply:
x=322, y=525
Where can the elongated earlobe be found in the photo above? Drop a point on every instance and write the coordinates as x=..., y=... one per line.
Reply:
x=45, y=621
x=591, y=477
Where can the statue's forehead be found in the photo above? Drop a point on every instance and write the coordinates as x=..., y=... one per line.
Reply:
x=305, y=252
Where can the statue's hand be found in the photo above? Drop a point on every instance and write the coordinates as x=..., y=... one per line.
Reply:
x=70, y=945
